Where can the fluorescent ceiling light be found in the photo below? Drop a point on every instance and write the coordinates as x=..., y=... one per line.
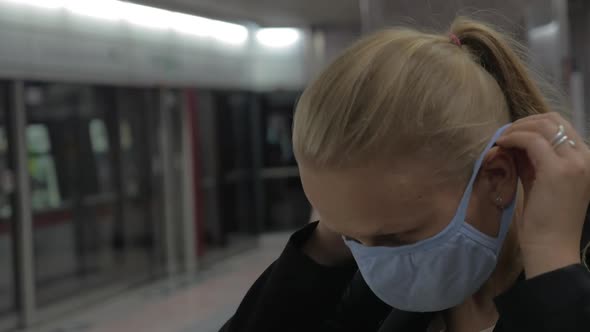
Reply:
x=223, y=31
x=277, y=37
x=145, y=16
x=40, y=3
x=104, y=9
x=192, y=25
x=149, y=17
x=228, y=32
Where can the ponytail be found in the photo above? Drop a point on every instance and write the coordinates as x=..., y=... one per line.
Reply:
x=495, y=53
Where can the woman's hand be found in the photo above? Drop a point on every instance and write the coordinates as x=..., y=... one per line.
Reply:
x=556, y=181
x=326, y=247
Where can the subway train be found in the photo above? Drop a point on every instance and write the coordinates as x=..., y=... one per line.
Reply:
x=135, y=149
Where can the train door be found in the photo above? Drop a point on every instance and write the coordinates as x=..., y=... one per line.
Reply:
x=285, y=204
x=90, y=170
x=73, y=196
x=236, y=170
x=226, y=200
x=139, y=180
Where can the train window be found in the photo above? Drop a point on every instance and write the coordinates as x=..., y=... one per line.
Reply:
x=285, y=202
x=98, y=136
x=277, y=112
x=126, y=135
x=278, y=137
x=99, y=140
x=44, y=186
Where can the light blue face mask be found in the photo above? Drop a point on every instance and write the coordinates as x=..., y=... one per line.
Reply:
x=440, y=272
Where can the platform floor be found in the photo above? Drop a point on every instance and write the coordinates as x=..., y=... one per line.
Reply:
x=183, y=304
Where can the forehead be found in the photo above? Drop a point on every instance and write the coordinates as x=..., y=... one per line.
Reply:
x=368, y=201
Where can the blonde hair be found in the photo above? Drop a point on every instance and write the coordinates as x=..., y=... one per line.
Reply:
x=404, y=93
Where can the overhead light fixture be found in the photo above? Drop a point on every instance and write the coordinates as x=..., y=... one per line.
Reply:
x=190, y=24
x=149, y=17
x=105, y=9
x=222, y=31
x=40, y=3
x=229, y=33
x=277, y=37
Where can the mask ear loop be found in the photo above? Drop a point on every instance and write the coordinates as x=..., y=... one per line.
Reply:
x=506, y=209
x=505, y=222
x=464, y=203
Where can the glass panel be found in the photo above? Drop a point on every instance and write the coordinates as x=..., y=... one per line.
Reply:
x=285, y=204
x=237, y=189
x=136, y=238
x=44, y=191
x=53, y=149
x=277, y=110
x=87, y=166
x=7, y=293
x=96, y=207
x=206, y=171
x=235, y=174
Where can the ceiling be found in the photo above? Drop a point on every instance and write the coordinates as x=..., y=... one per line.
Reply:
x=270, y=12
x=347, y=13
x=438, y=14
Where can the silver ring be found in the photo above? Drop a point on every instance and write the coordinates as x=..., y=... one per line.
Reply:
x=561, y=140
x=571, y=143
x=559, y=136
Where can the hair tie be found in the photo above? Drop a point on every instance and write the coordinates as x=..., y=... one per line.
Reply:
x=455, y=39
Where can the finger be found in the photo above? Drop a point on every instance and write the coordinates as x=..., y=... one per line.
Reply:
x=526, y=119
x=534, y=144
x=525, y=168
x=547, y=118
x=556, y=117
x=570, y=130
x=544, y=126
x=549, y=127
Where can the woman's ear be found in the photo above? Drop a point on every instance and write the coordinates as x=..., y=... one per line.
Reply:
x=499, y=176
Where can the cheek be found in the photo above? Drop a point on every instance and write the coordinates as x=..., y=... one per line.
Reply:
x=484, y=217
x=440, y=215
x=436, y=225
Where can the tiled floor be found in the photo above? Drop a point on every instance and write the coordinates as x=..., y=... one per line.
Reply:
x=199, y=304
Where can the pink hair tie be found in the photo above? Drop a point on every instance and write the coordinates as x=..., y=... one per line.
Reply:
x=455, y=39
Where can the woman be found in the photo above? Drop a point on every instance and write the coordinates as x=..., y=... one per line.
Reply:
x=436, y=164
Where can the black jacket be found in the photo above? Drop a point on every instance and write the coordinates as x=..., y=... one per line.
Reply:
x=295, y=294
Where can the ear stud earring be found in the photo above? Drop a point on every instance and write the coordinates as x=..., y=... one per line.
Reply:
x=500, y=202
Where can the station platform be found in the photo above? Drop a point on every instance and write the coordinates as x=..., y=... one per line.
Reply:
x=201, y=303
